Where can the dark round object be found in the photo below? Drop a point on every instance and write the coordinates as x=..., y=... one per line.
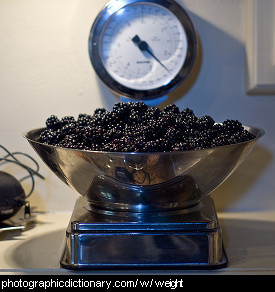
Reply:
x=12, y=196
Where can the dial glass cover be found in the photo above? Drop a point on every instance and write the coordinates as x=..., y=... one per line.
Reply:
x=142, y=48
x=137, y=68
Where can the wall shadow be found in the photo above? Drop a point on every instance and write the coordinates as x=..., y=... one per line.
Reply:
x=238, y=184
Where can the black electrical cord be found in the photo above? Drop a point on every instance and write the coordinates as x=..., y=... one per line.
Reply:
x=10, y=158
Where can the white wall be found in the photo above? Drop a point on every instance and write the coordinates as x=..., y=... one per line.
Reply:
x=45, y=69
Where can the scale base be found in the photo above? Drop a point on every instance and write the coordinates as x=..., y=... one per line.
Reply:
x=186, y=239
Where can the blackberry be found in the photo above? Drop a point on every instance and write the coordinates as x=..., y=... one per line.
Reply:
x=240, y=136
x=47, y=136
x=152, y=113
x=134, y=118
x=139, y=144
x=172, y=108
x=173, y=135
x=113, y=134
x=111, y=147
x=95, y=147
x=151, y=146
x=232, y=126
x=133, y=127
x=187, y=112
x=205, y=122
x=246, y=136
x=83, y=119
x=217, y=129
x=188, y=119
x=70, y=141
x=122, y=110
x=220, y=140
x=236, y=138
x=139, y=107
x=53, y=122
x=67, y=120
x=99, y=111
x=181, y=146
x=158, y=128
x=92, y=135
x=50, y=137
x=168, y=118
x=68, y=129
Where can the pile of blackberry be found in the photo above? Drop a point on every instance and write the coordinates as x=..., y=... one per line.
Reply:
x=134, y=127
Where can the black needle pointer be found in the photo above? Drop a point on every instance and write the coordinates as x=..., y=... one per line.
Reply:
x=143, y=46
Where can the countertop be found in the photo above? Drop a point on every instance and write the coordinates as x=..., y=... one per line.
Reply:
x=248, y=237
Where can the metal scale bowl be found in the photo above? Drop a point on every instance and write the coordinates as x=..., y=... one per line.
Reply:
x=143, y=210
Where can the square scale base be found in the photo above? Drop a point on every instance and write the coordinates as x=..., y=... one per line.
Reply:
x=184, y=240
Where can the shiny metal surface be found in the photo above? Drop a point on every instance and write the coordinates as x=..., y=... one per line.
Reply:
x=190, y=240
x=143, y=182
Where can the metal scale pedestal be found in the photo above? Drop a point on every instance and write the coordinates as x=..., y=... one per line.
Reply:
x=184, y=239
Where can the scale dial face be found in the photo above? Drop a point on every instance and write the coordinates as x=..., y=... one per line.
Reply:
x=142, y=49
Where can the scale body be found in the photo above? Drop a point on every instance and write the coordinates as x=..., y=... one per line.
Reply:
x=188, y=239
x=143, y=210
x=142, y=50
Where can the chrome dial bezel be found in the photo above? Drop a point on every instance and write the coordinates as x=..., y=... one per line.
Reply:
x=98, y=28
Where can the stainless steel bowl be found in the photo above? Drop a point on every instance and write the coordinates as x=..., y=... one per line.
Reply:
x=143, y=182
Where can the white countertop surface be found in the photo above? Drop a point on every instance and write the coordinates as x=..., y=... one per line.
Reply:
x=249, y=241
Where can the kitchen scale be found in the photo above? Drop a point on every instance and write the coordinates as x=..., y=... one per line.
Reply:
x=143, y=210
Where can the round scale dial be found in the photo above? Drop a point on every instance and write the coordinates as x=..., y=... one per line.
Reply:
x=142, y=49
